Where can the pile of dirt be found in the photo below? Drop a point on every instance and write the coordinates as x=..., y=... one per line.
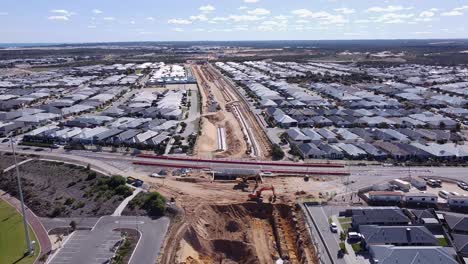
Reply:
x=55, y=189
x=239, y=233
x=244, y=233
x=215, y=118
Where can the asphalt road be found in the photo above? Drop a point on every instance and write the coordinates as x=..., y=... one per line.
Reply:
x=328, y=240
x=361, y=175
x=93, y=246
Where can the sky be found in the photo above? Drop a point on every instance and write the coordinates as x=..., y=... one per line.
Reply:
x=59, y=21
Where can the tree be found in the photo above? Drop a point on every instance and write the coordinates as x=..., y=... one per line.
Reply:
x=155, y=204
x=277, y=153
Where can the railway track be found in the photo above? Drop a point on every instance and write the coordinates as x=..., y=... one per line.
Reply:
x=263, y=145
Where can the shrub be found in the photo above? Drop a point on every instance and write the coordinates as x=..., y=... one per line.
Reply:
x=69, y=201
x=71, y=184
x=155, y=204
x=123, y=190
x=116, y=181
x=91, y=175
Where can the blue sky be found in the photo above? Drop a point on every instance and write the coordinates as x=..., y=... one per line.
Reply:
x=158, y=20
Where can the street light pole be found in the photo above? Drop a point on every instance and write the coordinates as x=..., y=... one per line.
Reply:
x=25, y=221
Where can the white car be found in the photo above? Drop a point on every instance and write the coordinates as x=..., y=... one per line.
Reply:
x=156, y=175
x=333, y=228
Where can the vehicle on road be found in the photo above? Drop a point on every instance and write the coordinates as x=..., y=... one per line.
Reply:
x=444, y=194
x=39, y=149
x=462, y=185
x=333, y=228
x=433, y=183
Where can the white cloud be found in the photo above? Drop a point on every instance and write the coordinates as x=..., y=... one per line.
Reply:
x=281, y=17
x=251, y=1
x=200, y=17
x=109, y=18
x=362, y=21
x=461, y=8
x=207, y=8
x=60, y=14
x=92, y=26
x=178, y=29
x=426, y=14
x=302, y=13
x=259, y=12
x=389, y=8
x=150, y=18
x=302, y=21
x=132, y=22
x=452, y=13
x=177, y=21
x=217, y=19
x=393, y=18
x=243, y=8
x=62, y=18
x=244, y=18
x=97, y=11
x=322, y=16
x=345, y=10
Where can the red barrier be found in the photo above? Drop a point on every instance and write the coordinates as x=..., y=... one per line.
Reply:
x=282, y=164
x=334, y=173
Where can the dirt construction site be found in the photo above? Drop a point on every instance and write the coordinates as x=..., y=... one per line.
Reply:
x=218, y=223
x=224, y=108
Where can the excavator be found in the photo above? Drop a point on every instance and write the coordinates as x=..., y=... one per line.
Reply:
x=243, y=182
x=257, y=195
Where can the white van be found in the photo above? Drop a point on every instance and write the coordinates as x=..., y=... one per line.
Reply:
x=444, y=194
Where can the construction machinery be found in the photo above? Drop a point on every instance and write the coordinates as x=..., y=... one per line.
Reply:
x=257, y=195
x=243, y=182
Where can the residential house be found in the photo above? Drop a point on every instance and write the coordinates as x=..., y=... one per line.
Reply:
x=397, y=235
x=389, y=254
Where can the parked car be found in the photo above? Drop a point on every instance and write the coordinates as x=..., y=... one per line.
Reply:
x=462, y=185
x=354, y=235
x=333, y=228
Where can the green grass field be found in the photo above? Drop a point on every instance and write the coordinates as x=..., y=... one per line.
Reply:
x=12, y=237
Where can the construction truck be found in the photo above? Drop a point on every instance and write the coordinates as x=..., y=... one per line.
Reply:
x=257, y=195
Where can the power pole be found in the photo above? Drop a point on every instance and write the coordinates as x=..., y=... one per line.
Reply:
x=25, y=221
